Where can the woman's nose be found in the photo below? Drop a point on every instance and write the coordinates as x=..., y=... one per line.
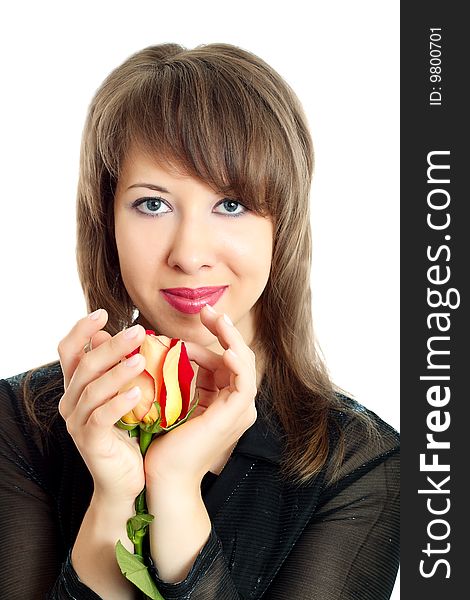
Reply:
x=192, y=247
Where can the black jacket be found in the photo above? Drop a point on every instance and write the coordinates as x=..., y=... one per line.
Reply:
x=335, y=538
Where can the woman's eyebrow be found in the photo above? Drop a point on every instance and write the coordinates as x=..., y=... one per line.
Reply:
x=151, y=186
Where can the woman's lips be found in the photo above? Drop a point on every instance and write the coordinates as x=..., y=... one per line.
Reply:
x=190, y=301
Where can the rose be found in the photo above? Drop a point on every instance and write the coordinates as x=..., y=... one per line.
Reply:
x=165, y=385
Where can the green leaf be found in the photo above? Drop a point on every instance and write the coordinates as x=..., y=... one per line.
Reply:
x=154, y=428
x=140, y=507
x=144, y=518
x=133, y=569
x=130, y=531
x=140, y=521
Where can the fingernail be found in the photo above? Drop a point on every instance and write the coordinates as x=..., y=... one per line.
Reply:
x=133, y=392
x=230, y=351
x=228, y=320
x=94, y=316
x=211, y=309
x=131, y=332
x=133, y=360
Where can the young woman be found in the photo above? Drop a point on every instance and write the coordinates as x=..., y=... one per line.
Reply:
x=193, y=221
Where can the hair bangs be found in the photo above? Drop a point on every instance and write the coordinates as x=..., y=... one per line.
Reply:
x=190, y=116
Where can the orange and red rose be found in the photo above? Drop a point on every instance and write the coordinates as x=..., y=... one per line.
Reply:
x=165, y=384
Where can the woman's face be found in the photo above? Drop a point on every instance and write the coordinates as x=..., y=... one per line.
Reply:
x=174, y=232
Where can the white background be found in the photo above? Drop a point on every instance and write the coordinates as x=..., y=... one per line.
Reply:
x=342, y=59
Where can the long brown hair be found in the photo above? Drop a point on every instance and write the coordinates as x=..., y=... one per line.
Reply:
x=221, y=114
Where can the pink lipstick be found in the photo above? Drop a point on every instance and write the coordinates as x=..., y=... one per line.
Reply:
x=190, y=301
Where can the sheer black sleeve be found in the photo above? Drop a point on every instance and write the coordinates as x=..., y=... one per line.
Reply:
x=33, y=561
x=208, y=579
x=349, y=550
x=28, y=544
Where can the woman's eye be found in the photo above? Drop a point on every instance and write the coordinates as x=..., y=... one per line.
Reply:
x=151, y=206
x=155, y=207
x=232, y=207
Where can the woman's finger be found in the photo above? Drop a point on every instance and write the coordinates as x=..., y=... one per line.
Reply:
x=97, y=362
x=203, y=356
x=99, y=338
x=242, y=379
x=105, y=416
x=72, y=347
x=220, y=325
x=100, y=391
x=205, y=380
x=207, y=389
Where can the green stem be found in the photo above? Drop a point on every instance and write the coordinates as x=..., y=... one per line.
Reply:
x=144, y=440
x=139, y=546
x=140, y=505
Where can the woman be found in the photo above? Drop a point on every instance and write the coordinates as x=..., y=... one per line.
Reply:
x=195, y=173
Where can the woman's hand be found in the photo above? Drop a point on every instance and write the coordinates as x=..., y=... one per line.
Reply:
x=91, y=404
x=226, y=385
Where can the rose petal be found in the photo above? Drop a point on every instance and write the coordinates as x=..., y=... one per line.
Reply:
x=185, y=376
x=172, y=401
x=152, y=416
x=130, y=419
x=154, y=349
x=147, y=387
